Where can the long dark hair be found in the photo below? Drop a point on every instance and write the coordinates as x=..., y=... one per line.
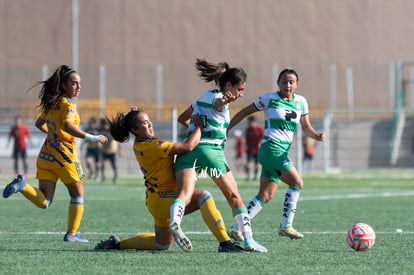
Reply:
x=122, y=123
x=221, y=73
x=51, y=91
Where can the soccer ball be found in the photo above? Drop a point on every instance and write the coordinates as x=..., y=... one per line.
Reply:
x=361, y=237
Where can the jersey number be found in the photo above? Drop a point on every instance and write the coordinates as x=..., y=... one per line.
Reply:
x=290, y=114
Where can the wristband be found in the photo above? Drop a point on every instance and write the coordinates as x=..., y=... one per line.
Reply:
x=93, y=138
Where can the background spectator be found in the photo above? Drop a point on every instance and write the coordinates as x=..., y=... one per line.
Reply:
x=254, y=133
x=20, y=134
x=240, y=150
x=308, y=152
x=92, y=153
x=109, y=151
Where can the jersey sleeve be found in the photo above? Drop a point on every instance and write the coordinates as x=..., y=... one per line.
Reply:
x=261, y=102
x=305, y=106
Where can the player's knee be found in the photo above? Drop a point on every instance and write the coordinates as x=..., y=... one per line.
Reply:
x=266, y=197
x=299, y=185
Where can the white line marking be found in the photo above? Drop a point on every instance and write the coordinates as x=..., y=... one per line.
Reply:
x=192, y=233
x=358, y=196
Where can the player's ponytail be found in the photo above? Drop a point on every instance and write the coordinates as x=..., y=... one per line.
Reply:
x=221, y=73
x=117, y=129
x=122, y=124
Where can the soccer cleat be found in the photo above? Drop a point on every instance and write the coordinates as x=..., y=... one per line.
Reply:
x=252, y=246
x=180, y=238
x=111, y=243
x=15, y=186
x=74, y=238
x=230, y=247
x=290, y=232
x=236, y=235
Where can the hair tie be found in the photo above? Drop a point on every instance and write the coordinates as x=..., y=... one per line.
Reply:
x=69, y=71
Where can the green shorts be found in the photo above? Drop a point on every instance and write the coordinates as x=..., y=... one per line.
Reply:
x=206, y=159
x=273, y=161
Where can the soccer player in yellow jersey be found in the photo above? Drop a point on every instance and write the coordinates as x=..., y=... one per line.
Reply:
x=58, y=156
x=156, y=159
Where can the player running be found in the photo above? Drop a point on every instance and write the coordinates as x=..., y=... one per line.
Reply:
x=208, y=157
x=284, y=111
x=58, y=157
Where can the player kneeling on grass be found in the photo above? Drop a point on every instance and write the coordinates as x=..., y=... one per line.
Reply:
x=156, y=159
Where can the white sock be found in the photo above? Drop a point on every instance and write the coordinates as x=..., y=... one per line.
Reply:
x=177, y=210
x=289, y=206
x=243, y=222
x=254, y=206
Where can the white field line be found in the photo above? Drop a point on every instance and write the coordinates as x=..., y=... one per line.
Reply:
x=306, y=197
x=189, y=233
x=359, y=195
x=303, y=198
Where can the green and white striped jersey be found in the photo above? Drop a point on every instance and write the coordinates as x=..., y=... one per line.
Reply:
x=215, y=122
x=281, y=117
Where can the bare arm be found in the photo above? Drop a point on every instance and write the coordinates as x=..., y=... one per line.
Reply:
x=79, y=133
x=191, y=142
x=188, y=145
x=246, y=111
x=309, y=131
x=184, y=117
x=41, y=125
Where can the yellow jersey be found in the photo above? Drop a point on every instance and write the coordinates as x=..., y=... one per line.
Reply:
x=59, y=146
x=156, y=164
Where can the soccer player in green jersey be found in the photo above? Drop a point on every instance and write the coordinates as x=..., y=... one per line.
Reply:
x=208, y=157
x=283, y=112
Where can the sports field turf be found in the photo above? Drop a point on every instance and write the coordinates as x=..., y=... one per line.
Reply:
x=31, y=239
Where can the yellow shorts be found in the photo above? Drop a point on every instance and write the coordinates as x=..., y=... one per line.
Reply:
x=69, y=173
x=158, y=204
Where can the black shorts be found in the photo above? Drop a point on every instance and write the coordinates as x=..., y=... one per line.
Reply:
x=93, y=153
x=19, y=153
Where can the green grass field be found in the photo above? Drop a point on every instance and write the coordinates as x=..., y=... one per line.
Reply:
x=31, y=239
